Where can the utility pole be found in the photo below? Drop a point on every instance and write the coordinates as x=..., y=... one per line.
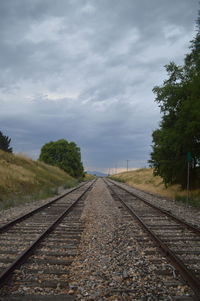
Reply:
x=189, y=159
x=127, y=164
x=188, y=181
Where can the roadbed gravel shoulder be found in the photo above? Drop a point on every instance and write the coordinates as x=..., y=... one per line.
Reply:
x=111, y=264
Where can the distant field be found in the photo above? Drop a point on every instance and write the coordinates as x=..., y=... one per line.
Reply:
x=144, y=179
x=22, y=180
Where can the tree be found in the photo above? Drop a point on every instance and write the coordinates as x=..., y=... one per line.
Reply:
x=179, y=132
x=5, y=143
x=66, y=155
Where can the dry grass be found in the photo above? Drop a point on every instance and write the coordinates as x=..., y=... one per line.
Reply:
x=23, y=179
x=88, y=177
x=144, y=179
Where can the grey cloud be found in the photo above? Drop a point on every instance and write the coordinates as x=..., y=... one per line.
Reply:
x=108, y=135
x=84, y=70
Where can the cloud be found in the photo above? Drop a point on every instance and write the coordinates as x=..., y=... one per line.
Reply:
x=84, y=70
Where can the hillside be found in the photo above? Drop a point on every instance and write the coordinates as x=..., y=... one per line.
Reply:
x=23, y=179
x=97, y=173
x=144, y=179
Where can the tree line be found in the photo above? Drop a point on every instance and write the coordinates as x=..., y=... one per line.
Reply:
x=177, y=139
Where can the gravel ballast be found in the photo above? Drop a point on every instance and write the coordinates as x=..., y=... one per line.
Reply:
x=111, y=264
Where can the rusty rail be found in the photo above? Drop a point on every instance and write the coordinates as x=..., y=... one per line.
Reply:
x=191, y=279
x=26, y=253
x=23, y=217
x=175, y=218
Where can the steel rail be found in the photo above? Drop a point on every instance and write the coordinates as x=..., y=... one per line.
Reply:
x=193, y=282
x=189, y=226
x=28, y=251
x=23, y=217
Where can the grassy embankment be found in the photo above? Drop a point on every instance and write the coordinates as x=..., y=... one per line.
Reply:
x=23, y=180
x=144, y=179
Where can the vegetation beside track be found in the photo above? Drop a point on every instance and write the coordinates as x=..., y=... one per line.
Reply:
x=88, y=177
x=23, y=180
x=145, y=180
x=176, y=143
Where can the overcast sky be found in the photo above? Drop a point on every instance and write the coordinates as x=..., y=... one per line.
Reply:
x=84, y=70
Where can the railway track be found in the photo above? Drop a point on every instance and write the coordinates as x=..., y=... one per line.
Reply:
x=37, y=249
x=178, y=240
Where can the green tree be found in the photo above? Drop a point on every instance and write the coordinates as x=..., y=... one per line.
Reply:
x=179, y=132
x=63, y=154
x=5, y=143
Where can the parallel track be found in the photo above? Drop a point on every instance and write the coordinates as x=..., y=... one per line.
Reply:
x=54, y=228
x=178, y=240
x=13, y=222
